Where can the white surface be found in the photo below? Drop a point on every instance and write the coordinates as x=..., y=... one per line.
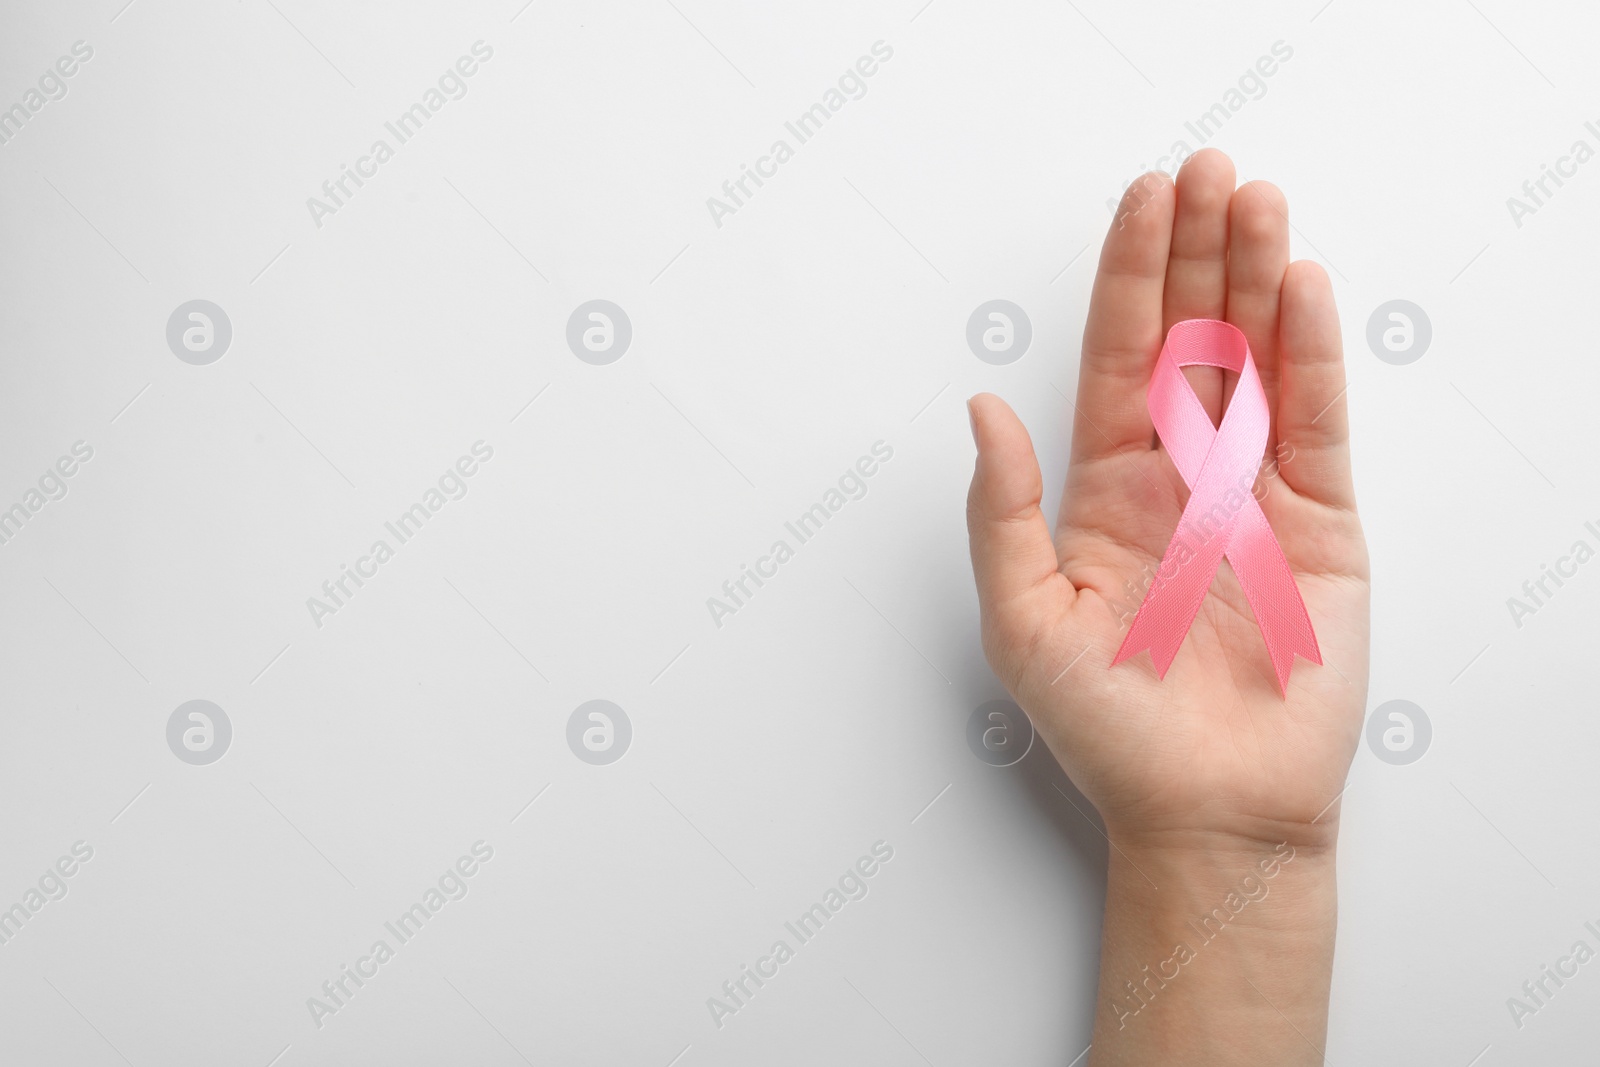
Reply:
x=768, y=354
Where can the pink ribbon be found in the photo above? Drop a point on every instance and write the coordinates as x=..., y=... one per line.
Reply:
x=1222, y=517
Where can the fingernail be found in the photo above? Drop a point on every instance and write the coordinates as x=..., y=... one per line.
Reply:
x=972, y=420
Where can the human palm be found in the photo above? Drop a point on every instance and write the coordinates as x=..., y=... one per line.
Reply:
x=1214, y=747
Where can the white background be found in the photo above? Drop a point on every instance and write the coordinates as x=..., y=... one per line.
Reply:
x=768, y=354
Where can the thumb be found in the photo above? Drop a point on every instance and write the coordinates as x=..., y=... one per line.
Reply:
x=1012, y=553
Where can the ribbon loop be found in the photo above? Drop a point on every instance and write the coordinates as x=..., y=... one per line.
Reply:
x=1223, y=517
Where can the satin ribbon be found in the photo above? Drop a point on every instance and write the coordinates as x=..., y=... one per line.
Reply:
x=1222, y=517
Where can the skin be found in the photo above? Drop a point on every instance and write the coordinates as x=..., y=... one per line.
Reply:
x=1205, y=777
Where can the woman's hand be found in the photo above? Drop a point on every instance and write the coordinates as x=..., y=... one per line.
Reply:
x=1219, y=793
x=1213, y=749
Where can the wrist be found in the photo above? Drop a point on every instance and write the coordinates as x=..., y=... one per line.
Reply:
x=1212, y=937
x=1183, y=878
x=1203, y=836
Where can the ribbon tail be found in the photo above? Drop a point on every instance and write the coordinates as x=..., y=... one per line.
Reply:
x=1163, y=648
x=1171, y=604
x=1268, y=583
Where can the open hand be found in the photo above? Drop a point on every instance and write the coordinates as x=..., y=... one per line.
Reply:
x=1214, y=748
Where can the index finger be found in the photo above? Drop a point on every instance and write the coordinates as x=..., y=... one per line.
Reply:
x=1123, y=335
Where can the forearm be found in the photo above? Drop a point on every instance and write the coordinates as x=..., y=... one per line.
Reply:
x=1215, y=953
